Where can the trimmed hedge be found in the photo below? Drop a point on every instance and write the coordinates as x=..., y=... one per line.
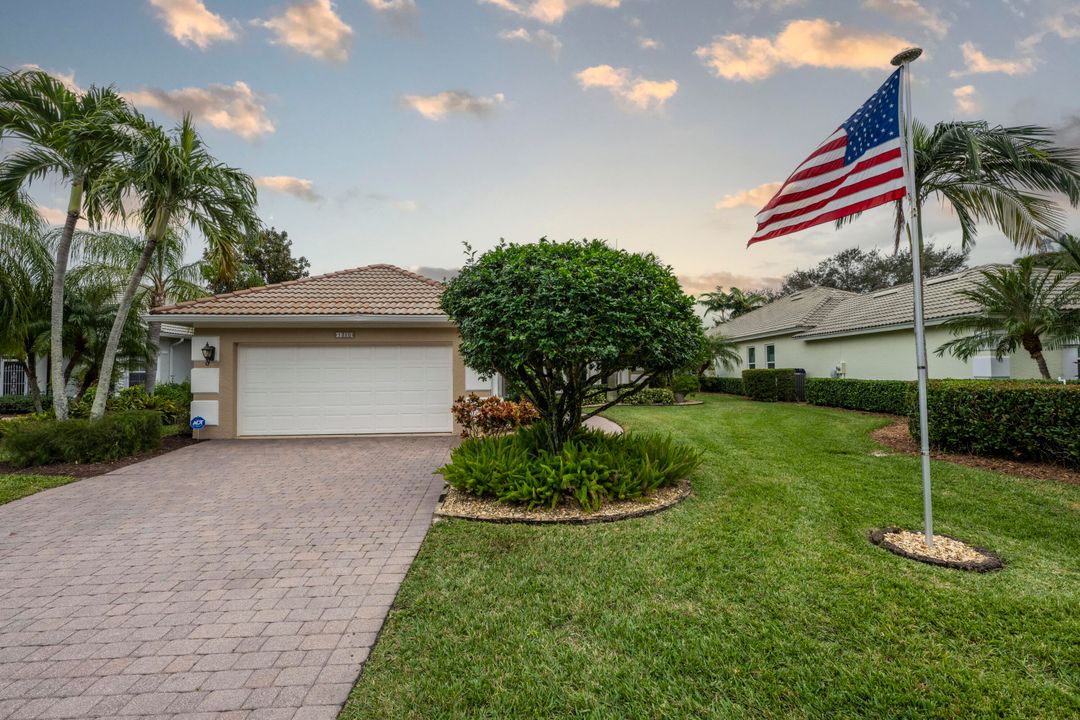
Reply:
x=685, y=384
x=1038, y=422
x=115, y=436
x=21, y=404
x=730, y=385
x=884, y=396
x=651, y=396
x=770, y=385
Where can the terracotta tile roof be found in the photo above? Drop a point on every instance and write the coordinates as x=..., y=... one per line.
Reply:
x=369, y=290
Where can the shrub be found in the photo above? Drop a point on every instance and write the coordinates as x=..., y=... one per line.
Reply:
x=1021, y=421
x=685, y=384
x=884, y=396
x=591, y=468
x=651, y=396
x=115, y=436
x=21, y=404
x=179, y=394
x=770, y=385
x=483, y=417
x=596, y=396
x=730, y=385
x=135, y=398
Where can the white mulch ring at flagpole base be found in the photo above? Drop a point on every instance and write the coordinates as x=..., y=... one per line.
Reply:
x=459, y=504
x=946, y=552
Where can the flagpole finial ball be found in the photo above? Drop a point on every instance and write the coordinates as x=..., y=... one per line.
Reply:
x=905, y=56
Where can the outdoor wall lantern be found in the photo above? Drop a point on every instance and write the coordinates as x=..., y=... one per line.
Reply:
x=208, y=352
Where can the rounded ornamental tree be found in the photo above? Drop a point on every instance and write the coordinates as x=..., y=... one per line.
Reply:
x=558, y=318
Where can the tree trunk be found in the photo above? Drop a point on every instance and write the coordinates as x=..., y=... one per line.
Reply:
x=56, y=320
x=157, y=232
x=30, y=367
x=1041, y=362
x=1033, y=344
x=154, y=335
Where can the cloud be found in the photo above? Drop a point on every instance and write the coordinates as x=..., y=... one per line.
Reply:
x=66, y=78
x=640, y=93
x=707, y=282
x=438, y=106
x=191, y=23
x=297, y=187
x=911, y=11
x=436, y=273
x=313, y=29
x=647, y=43
x=547, y=11
x=755, y=198
x=976, y=62
x=541, y=38
x=408, y=206
x=818, y=43
x=401, y=13
x=234, y=108
x=967, y=102
x=770, y=5
x=1068, y=133
x=1065, y=24
x=58, y=216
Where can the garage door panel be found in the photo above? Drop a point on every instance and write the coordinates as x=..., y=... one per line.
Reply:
x=344, y=390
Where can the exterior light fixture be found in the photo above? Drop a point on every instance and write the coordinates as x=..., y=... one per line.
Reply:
x=208, y=353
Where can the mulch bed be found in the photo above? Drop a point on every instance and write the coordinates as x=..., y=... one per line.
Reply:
x=461, y=505
x=948, y=552
x=168, y=444
x=897, y=437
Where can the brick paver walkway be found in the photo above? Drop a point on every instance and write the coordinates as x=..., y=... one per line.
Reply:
x=243, y=579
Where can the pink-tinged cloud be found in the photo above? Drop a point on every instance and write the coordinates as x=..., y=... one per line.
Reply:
x=540, y=38
x=191, y=23
x=637, y=92
x=297, y=187
x=967, y=101
x=67, y=79
x=816, y=43
x=911, y=11
x=707, y=282
x=547, y=11
x=234, y=108
x=58, y=216
x=312, y=29
x=976, y=62
x=754, y=198
x=438, y=106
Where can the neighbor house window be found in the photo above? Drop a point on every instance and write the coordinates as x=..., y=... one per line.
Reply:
x=770, y=356
x=751, y=357
x=14, y=378
x=136, y=377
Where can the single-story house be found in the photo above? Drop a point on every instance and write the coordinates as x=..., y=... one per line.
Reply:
x=836, y=333
x=361, y=351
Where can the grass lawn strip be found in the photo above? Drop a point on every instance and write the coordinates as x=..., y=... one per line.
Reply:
x=759, y=596
x=13, y=487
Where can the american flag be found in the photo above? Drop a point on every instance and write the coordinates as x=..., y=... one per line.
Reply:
x=858, y=167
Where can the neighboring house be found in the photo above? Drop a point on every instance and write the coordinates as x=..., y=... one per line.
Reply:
x=361, y=351
x=836, y=333
x=174, y=366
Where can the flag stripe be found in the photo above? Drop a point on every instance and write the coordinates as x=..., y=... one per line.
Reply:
x=829, y=207
x=805, y=198
x=864, y=183
x=858, y=207
x=810, y=184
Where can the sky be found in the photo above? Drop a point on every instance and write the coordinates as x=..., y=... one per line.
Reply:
x=395, y=131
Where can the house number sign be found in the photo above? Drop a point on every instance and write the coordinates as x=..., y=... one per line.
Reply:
x=344, y=334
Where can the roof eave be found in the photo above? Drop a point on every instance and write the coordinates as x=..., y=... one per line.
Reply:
x=296, y=319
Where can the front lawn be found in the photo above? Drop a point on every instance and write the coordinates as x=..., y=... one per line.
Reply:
x=13, y=487
x=757, y=597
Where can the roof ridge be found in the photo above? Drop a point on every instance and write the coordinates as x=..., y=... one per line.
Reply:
x=297, y=281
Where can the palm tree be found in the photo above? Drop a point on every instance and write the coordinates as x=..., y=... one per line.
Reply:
x=74, y=135
x=719, y=348
x=1001, y=175
x=167, y=279
x=25, y=283
x=1022, y=305
x=177, y=183
x=1070, y=252
x=729, y=305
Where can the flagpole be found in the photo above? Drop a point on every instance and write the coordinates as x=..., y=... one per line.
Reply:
x=903, y=60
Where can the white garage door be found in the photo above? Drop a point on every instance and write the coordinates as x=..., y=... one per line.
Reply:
x=344, y=390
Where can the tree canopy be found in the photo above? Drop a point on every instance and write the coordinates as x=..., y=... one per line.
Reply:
x=861, y=271
x=557, y=318
x=265, y=258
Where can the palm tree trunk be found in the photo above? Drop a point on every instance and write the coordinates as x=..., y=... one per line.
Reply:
x=1037, y=356
x=154, y=334
x=56, y=329
x=157, y=232
x=30, y=367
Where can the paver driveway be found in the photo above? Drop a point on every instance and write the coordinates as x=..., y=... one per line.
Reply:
x=242, y=579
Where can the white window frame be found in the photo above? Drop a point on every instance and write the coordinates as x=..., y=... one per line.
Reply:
x=751, y=357
x=770, y=364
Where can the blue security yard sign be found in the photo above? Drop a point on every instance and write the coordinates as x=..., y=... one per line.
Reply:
x=198, y=422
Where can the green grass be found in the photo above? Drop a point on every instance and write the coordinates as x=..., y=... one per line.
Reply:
x=757, y=597
x=13, y=487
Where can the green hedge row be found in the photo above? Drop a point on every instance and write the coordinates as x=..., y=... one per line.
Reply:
x=731, y=385
x=884, y=396
x=651, y=396
x=1019, y=421
x=20, y=404
x=115, y=436
x=770, y=385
